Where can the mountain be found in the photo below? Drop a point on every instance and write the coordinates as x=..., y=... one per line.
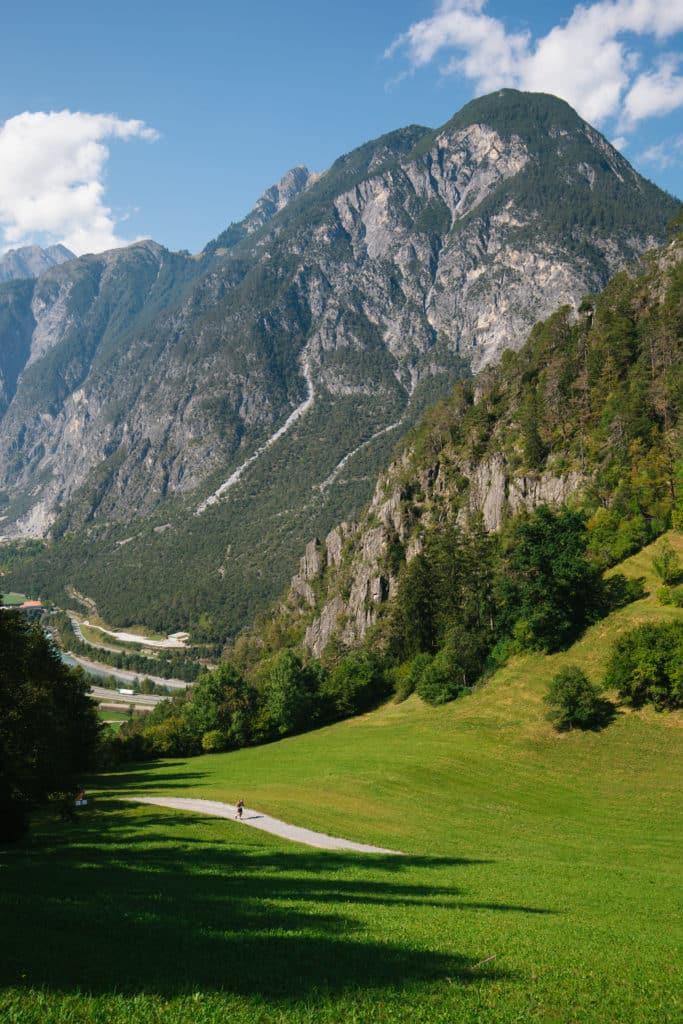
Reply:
x=588, y=413
x=32, y=261
x=177, y=426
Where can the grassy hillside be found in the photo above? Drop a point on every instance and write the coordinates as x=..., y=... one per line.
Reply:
x=556, y=855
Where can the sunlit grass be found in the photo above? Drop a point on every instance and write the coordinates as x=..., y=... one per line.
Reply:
x=541, y=882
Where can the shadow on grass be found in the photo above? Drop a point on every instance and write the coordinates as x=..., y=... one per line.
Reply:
x=114, y=904
x=145, y=777
x=603, y=714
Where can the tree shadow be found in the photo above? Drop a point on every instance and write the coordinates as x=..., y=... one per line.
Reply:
x=619, y=590
x=143, y=776
x=603, y=714
x=109, y=906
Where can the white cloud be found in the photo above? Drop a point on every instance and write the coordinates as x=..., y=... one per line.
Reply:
x=654, y=92
x=666, y=154
x=586, y=60
x=51, y=178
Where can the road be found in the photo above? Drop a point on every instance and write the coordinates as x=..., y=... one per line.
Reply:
x=98, y=668
x=125, y=699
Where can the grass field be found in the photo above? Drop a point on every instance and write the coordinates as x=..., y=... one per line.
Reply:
x=541, y=882
x=12, y=599
x=113, y=718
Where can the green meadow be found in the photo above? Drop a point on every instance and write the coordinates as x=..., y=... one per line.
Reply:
x=541, y=879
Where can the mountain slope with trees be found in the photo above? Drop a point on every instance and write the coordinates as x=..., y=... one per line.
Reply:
x=444, y=579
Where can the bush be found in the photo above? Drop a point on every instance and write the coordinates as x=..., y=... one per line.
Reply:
x=214, y=741
x=573, y=699
x=440, y=680
x=406, y=677
x=646, y=666
x=666, y=564
x=356, y=684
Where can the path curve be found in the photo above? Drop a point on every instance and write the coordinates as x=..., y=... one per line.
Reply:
x=262, y=821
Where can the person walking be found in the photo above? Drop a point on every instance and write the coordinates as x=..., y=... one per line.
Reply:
x=240, y=809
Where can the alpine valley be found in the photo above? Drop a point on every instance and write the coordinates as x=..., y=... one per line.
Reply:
x=174, y=428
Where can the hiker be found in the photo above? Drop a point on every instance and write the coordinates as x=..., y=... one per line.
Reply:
x=240, y=808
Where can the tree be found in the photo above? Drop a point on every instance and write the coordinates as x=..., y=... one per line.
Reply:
x=646, y=665
x=49, y=730
x=549, y=590
x=666, y=563
x=355, y=684
x=291, y=698
x=573, y=699
x=222, y=702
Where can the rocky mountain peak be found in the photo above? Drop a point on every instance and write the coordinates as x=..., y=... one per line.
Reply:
x=32, y=261
x=290, y=185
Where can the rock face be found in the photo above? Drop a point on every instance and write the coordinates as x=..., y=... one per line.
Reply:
x=140, y=379
x=492, y=488
x=32, y=261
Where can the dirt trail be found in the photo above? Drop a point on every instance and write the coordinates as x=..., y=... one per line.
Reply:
x=263, y=821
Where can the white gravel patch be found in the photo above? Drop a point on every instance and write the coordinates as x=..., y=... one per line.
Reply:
x=262, y=821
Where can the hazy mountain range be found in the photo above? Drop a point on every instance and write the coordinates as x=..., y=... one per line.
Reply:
x=32, y=261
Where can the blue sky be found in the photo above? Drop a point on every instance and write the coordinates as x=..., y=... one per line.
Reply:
x=212, y=102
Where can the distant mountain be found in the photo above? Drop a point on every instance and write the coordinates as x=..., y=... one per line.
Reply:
x=32, y=261
x=178, y=426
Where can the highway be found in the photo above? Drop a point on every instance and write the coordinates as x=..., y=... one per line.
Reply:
x=101, y=693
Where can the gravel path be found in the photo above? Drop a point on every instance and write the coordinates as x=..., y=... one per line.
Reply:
x=262, y=821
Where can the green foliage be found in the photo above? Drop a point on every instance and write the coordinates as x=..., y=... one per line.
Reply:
x=49, y=728
x=355, y=684
x=667, y=564
x=671, y=595
x=549, y=591
x=222, y=702
x=292, y=694
x=440, y=679
x=573, y=699
x=646, y=666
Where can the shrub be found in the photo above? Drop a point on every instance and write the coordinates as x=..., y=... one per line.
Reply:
x=406, y=677
x=666, y=564
x=440, y=680
x=573, y=700
x=646, y=665
x=214, y=741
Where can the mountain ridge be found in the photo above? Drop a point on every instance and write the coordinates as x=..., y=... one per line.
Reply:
x=388, y=276
x=32, y=261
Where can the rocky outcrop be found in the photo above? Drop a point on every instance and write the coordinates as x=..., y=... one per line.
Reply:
x=491, y=489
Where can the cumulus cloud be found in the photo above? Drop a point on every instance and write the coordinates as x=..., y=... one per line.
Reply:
x=666, y=154
x=589, y=60
x=51, y=178
x=654, y=92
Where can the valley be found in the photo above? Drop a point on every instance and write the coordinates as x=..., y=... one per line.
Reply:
x=352, y=688
x=174, y=430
